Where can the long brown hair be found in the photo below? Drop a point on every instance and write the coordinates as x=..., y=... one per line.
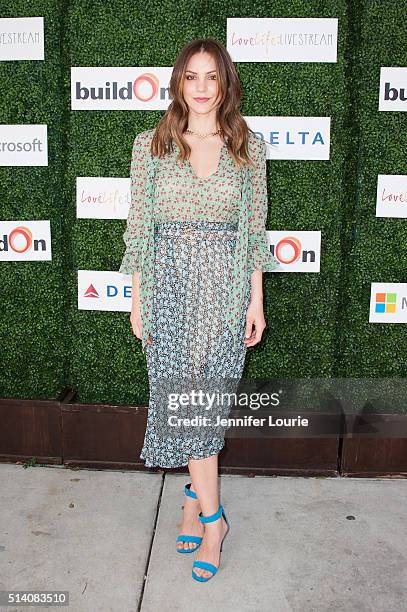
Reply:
x=175, y=121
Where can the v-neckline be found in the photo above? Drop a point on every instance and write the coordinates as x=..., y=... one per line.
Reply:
x=205, y=178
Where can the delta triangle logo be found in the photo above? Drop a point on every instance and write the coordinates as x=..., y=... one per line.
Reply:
x=91, y=292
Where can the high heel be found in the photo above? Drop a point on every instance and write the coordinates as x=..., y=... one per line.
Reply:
x=188, y=538
x=203, y=564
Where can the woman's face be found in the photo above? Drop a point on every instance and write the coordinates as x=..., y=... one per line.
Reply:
x=201, y=83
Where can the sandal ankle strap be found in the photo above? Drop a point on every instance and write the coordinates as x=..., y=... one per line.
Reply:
x=188, y=492
x=212, y=517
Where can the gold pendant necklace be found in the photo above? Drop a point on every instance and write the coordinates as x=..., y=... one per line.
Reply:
x=201, y=136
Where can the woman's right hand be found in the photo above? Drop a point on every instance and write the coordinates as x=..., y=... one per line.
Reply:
x=135, y=320
x=135, y=314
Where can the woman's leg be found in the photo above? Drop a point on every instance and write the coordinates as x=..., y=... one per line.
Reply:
x=191, y=524
x=204, y=475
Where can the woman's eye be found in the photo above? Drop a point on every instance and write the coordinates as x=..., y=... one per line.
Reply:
x=213, y=76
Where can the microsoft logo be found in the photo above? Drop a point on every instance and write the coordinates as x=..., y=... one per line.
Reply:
x=385, y=302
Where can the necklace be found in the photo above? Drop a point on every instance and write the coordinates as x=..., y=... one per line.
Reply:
x=202, y=136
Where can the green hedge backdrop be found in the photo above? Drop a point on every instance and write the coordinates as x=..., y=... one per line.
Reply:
x=317, y=323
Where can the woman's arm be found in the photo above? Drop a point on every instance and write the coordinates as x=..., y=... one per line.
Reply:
x=260, y=258
x=135, y=314
x=134, y=235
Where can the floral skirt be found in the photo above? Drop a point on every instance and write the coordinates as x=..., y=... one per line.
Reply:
x=192, y=347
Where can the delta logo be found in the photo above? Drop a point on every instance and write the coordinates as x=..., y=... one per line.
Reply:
x=385, y=302
x=112, y=291
x=91, y=292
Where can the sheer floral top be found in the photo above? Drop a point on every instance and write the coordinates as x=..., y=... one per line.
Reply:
x=166, y=190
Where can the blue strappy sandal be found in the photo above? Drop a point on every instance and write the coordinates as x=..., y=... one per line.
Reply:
x=188, y=538
x=203, y=564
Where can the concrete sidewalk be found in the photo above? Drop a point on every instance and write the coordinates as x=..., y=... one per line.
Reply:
x=309, y=544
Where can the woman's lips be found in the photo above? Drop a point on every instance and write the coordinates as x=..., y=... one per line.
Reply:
x=201, y=99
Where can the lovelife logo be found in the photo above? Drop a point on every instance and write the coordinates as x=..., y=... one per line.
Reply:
x=385, y=302
x=391, y=195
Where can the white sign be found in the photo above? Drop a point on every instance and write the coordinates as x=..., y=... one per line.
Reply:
x=282, y=39
x=120, y=88
x=23, y=145
x=393, y=89
x=391, y=197
x=100, y=290
x=388, y=303
x=100, y=197
x=21, y=38
x=25, y=241
x=293, y=137
x=296, y=251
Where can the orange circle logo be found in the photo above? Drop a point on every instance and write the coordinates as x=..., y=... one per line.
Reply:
x=20, y=239
x=145, y=87
x=288, y=250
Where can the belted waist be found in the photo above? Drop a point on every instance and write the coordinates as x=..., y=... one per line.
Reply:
x=197, y=229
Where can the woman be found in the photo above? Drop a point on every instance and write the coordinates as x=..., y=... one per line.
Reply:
x=196, y=233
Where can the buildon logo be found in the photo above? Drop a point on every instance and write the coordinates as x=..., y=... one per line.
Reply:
x=145, y=87
x=20, y=240
x=289, y=250
x=119, y=88
x=386, y=302
x=25, y=240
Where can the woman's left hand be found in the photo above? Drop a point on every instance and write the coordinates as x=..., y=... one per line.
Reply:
x=255, y=323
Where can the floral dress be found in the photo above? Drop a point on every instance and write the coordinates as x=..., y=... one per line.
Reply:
x=196, y=242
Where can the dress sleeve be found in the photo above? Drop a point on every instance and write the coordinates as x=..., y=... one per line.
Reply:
x=259, y=254
x=135, y=233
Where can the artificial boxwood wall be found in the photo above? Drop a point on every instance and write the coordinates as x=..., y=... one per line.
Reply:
x=317, y=323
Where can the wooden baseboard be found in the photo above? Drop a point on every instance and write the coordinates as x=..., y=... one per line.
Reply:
x=111, y=437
